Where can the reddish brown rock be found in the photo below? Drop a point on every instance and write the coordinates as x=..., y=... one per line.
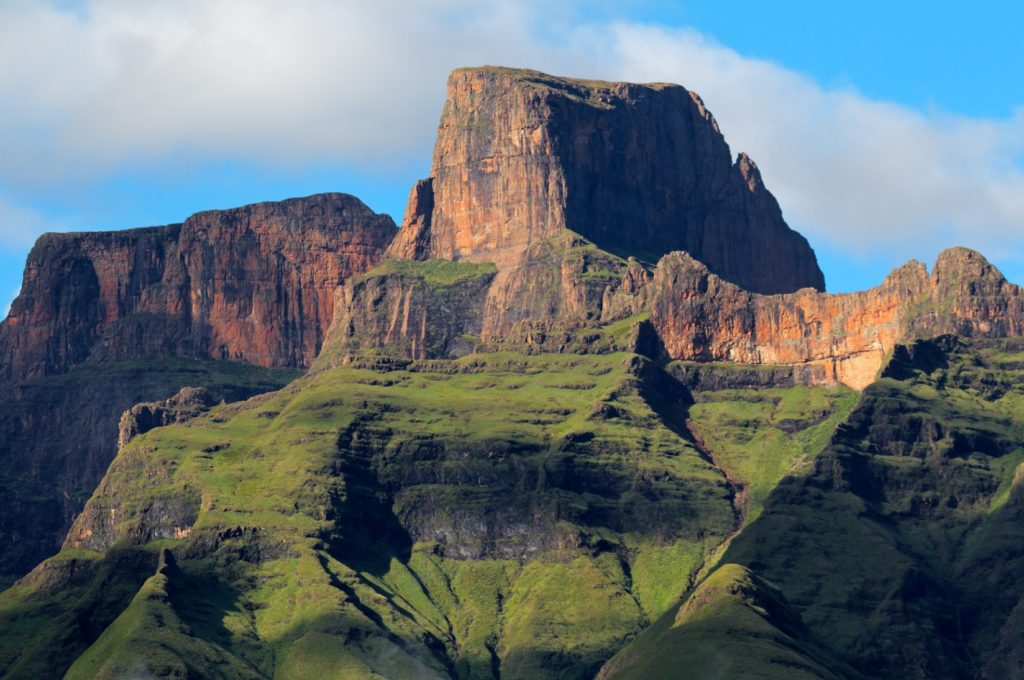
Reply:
x=255, y=283
x=637, y=169
x=562, y=285
x=570, y=292
x=409, y=309
x=700, y=317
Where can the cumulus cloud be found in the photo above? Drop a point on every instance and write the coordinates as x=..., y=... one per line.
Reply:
x=99, y=87
x=848, y=169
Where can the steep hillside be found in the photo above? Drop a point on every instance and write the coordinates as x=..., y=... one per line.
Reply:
x=900, y=553
x=58, y=434
x=497, y=514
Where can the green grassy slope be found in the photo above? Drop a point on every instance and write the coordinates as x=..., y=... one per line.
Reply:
x=759, y=436
x=495, y=514
x=733, y=625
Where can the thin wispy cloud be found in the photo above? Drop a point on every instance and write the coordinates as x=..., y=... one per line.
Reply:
x=98, y=88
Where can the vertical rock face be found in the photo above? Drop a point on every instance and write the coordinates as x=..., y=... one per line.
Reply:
x=255, y=283
x=263, y=276
x=637, y=169
x=696, y=315
x=409, y=309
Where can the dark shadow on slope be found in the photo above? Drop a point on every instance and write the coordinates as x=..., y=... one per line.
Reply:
x=366, y=534
x=202, y=599
x=889, y=549
x=670, y=400
x=73, y=603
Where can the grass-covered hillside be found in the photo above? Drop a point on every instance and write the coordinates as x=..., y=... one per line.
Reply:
x=498, y=515
x=898, y=556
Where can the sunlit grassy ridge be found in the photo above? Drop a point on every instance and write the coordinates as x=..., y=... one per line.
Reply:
x=760, y=436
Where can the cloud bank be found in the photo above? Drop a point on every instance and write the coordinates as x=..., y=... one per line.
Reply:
x=92, y=89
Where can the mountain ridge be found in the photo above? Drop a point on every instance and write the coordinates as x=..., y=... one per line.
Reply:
x=529, y=446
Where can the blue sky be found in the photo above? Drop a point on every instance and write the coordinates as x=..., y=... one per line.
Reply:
x=887, y=130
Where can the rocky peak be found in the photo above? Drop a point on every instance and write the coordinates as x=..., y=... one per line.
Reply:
x=750, y=172
x=640, y=170
x=955, y=266
x=843, y=338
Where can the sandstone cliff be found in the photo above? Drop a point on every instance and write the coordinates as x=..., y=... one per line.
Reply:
x=575, y=298
x=255, y=283
x=408, y=309
x=640, y=170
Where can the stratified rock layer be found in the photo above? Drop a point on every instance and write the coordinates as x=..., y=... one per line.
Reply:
x=638, y=169
x=254, y=283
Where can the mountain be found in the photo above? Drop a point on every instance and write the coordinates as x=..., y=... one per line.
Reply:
x=106, y=320
x=254, y=284
x=403, y=309
x=522, y=157
x=588, y=414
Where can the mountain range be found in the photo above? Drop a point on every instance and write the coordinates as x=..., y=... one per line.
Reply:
x=589, y=412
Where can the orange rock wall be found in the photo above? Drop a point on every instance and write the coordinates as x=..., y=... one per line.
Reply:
x=700, y=317
x=254, y=283
x=637, y=169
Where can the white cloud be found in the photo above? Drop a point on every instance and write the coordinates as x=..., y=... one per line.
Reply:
x=116, y=83
x=857, y=172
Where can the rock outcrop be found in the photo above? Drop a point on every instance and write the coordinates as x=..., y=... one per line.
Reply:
x=187, y=404
x=640, y=169
x=408, y=309
x=254, y=284
x=569, y=296
x=700, y=317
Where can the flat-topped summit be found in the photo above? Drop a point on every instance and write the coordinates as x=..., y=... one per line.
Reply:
x=642, y=170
